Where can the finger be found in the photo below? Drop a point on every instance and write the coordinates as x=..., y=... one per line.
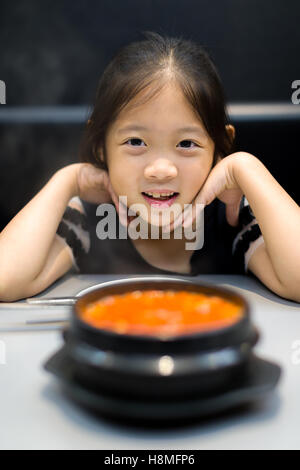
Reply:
x=187, y=216
x=109, y=187
x=193, y=216
x=120, y=208
x=178, y=221
x=115, y=200
x=173, y=225
x=190, y=215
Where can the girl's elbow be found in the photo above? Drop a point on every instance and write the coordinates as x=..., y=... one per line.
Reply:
x=292, y=292
x=8, y=296
x=11, y=292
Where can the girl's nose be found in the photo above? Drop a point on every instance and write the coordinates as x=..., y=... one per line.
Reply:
x=160, y=169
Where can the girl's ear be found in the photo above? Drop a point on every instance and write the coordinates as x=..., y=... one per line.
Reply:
x=102, y=158
x=230, y=131
x=100, y=154
x=231, y=134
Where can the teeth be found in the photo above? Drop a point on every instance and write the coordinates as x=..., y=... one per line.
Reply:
x=159, y=195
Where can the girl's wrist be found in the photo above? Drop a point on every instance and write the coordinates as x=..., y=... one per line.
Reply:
x=68, y=176
x=244, y=163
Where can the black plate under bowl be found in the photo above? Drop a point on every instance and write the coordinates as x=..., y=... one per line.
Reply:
x=259, y=378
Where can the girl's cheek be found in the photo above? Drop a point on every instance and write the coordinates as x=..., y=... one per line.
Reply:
x=121, y=182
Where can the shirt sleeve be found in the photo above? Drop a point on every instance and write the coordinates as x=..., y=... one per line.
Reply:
x=73, y=229
x=249, y=237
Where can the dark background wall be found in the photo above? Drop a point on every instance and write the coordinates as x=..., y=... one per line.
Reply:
x=52, y=53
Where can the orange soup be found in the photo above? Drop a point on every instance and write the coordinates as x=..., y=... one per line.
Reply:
x=161, y=312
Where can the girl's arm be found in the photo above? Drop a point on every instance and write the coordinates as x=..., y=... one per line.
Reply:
x=278, y=217
x=32, y=256
x=276, y=262
x=27, y=241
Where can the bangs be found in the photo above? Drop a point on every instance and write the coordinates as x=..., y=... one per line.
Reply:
x=140, y=94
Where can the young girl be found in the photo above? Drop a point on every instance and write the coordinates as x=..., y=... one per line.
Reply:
x=158, y=132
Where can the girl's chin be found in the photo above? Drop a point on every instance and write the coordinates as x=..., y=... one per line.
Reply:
x=153, y=216
x=158, y=215
x=156, y=220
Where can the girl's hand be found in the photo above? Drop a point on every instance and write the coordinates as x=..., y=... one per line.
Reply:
x=94, y=186
x=220, y=184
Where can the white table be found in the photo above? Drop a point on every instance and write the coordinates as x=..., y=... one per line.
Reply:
x=35, y=413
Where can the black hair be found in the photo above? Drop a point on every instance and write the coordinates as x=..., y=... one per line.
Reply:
x=155, y=61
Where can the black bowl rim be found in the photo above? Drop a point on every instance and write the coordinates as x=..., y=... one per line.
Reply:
x=151, y=283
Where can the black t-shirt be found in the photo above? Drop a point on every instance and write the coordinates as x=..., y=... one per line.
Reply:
x=223, y=250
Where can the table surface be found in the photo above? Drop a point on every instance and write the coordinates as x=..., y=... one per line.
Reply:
x=35, y=413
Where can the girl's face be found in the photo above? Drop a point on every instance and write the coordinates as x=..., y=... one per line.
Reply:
x=151, y=149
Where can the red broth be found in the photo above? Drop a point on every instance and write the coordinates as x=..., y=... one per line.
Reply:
x=161, y=312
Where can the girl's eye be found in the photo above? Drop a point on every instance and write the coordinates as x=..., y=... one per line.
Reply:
x=134, y=139
x=135, y=143
x=187, y=142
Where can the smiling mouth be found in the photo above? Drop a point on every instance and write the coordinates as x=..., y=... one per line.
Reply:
x=161, y=197
x=161, y=200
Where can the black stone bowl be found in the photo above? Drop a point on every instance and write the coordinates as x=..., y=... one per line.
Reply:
x=150, y=367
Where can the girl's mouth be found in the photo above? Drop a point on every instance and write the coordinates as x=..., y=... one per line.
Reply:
x=162, y=201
